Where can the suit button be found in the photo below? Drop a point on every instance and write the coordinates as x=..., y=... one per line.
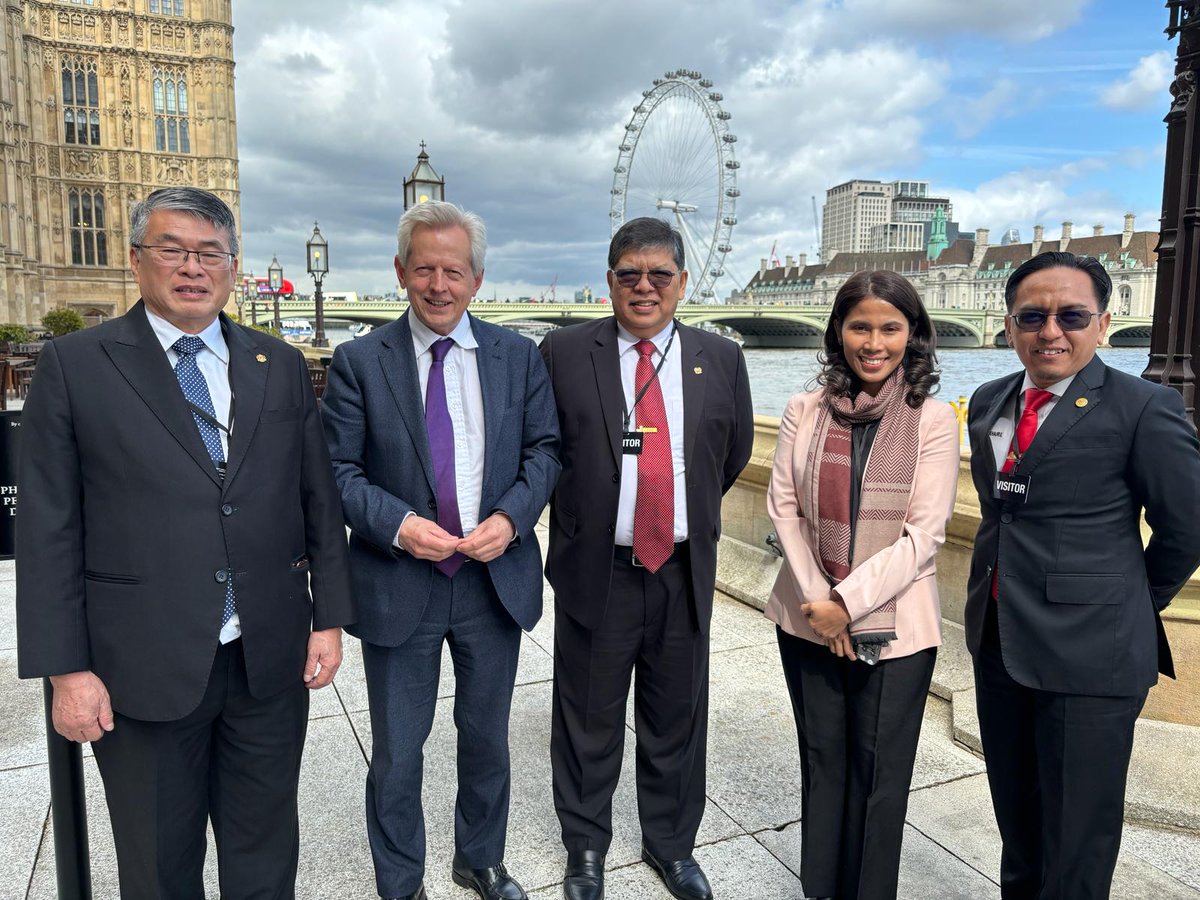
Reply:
x=1006, y=518
x=222, y=576
x=612, y=529
x=227, y=510
x=616, y=478
x=432, y=504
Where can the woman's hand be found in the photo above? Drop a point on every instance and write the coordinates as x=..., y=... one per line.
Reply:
x=841, y=645
x=826, y=617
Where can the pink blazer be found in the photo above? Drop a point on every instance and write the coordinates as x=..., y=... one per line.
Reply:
x=905, y=570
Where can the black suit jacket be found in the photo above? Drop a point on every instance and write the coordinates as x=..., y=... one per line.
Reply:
x=1079, y=594
x=718, y=426
x=124, y=523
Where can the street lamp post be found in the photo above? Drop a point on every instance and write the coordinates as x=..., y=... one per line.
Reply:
x=275, y=280
x=318, y=267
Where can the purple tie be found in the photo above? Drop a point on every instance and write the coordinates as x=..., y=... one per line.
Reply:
x=440, y=430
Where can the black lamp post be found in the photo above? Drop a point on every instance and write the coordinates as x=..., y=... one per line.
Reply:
x=275, y=280
x=250, y=293
x=318, y=267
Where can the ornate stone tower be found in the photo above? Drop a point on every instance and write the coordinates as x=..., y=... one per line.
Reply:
x=102, y=101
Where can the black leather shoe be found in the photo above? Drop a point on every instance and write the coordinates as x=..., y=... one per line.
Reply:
x=492, y=883
x=419, y=895
x=683, y=877
x=584, y=877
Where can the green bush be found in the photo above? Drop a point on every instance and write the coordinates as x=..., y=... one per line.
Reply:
x=62, y=321
x=15, y=334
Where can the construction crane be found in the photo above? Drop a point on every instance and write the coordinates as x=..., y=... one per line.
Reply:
x=816, y=227
x=552, y=291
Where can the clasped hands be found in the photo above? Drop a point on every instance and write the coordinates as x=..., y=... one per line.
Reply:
x=425, y=539
x=828, y=618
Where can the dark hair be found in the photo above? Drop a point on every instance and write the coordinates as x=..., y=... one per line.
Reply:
x=643, y=234
x=1089, y=265
x=920, y=361
x=192, y=201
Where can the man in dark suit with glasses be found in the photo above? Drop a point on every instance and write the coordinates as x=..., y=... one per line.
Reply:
x=1063, y=602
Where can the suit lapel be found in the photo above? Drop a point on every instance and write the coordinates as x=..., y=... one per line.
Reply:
x=140, y=358
x=399, y=364
x=607, y=366
x=493, y=379
x=982, y=424
x=1084, y=395
x=694, y=389
x=248, y=379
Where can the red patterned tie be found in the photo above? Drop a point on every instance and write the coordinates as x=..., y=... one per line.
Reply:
x=654, y=511
x=1035, y=399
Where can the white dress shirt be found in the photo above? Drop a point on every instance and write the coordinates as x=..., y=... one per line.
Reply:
x=464, y=399
x=1002, y=430
x=670, y=378
x=213, y=363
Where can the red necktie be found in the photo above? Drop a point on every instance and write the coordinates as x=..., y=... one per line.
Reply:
x=1035, y=399
x=654, y=511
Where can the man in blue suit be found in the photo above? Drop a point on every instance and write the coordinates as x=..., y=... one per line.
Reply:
x=444, y=441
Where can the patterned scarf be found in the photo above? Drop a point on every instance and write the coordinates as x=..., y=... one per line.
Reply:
x=886, y=487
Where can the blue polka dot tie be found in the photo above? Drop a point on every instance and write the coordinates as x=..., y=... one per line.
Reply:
x=195, y=391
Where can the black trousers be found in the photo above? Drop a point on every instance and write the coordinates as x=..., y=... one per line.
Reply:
x=649, y=628
x=1056, y=766
x=858, y=727
x=236, y=760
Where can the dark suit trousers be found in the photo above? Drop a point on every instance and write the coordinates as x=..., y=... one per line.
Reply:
x=1056, y=765
x=235, y=760
x=402, y=687
x=858, y=727
x=649, y=627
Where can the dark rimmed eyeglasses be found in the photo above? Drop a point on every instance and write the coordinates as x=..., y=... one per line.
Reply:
x=1068, y=319
x=177, y=256
x=631, y=278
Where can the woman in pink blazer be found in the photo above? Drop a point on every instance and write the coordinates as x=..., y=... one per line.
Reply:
x=861, y=491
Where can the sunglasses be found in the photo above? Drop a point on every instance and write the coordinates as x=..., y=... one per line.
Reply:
x=631, y=278
x=1068, y=320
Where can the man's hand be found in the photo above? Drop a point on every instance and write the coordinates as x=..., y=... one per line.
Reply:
x=427, y=540
x=826, y=617
x=841, y=645
x=81, y=708
x=490, y=539
x=324, y=657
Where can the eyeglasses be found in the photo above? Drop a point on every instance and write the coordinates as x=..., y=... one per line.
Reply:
x=1068, y=319
x=631, y=278
x=177, y=256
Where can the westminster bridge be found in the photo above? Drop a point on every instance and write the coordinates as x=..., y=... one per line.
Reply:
x=759, y=325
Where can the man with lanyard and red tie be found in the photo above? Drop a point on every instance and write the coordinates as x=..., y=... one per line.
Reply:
x=1063, y=600
x=657, y=423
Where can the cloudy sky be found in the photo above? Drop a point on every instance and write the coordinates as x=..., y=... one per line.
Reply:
x=1020, y=111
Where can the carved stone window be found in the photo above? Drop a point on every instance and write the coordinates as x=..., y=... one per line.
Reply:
x=81, y=101
x=89, y=245
x=171, y=132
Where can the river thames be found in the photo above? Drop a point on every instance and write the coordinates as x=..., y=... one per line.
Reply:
x=777, y=374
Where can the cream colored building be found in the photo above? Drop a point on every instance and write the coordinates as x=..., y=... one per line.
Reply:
x=102, y=102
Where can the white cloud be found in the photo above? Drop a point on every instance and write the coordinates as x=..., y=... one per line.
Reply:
x=976, y=114
x=1144, y=87
x=1017, y=20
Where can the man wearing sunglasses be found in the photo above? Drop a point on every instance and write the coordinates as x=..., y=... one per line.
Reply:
x=1063, y=600
x=657, y=424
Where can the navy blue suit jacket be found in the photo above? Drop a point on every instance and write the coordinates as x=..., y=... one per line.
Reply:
x=374, y=418
x=1079, y=594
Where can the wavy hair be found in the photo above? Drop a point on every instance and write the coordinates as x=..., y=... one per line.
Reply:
x=921, y=371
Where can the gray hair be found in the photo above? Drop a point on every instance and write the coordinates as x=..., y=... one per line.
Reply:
x=438, y=214
x=192, y=201
x=646, y=233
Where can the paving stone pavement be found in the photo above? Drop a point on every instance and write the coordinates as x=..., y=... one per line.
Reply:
x=749, y=840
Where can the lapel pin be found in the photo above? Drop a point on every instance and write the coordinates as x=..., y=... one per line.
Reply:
x=262, y=357
x=698, y=370
x=1081, y=402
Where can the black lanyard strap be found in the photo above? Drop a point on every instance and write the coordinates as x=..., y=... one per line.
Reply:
x=649, y=381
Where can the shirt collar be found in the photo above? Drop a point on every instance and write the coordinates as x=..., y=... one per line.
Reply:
x=1057, y=389
x=627, y=341
x=168, y=334
x=425, y=337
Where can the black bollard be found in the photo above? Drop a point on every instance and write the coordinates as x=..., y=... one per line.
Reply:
x=72, y=860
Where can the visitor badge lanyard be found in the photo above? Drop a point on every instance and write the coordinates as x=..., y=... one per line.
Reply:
x=649, y=381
